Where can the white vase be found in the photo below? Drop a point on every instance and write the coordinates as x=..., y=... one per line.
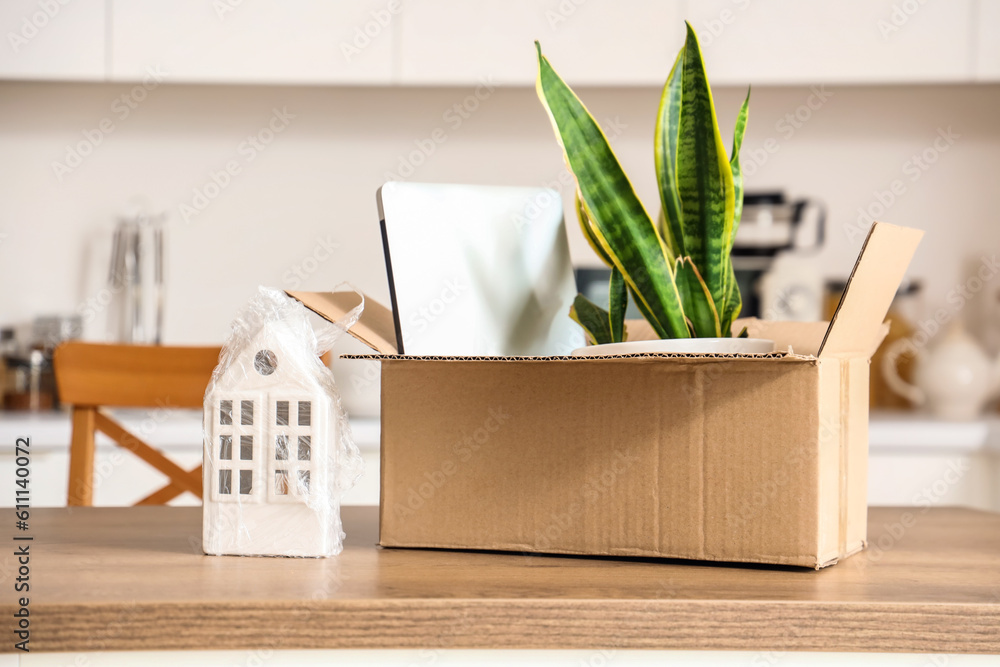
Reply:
x=680, y=346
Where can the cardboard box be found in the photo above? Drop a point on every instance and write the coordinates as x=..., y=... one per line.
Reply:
x=759, y=459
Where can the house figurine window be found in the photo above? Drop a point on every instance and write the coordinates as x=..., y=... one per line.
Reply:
x=290, y=459
x=235, y=440
x=270, y=447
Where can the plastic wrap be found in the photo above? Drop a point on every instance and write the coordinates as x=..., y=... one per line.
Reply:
x=278, y=448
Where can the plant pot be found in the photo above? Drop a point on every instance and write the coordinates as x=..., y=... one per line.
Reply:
x=680, y=346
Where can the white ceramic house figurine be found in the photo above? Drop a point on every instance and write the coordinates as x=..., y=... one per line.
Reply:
x=278, y=453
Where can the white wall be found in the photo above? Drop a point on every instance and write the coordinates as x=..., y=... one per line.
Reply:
x=317, y=179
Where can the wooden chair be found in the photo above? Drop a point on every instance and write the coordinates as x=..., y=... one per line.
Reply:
x=92, y=376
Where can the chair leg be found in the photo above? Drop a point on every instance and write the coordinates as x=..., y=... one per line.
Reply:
x=163, y=496
x=81, y=457
x=167, y=493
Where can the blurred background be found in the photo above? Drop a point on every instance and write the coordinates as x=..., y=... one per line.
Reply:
x=162, y=160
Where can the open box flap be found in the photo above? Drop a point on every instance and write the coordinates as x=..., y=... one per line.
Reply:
x=801, y=337
x=375, y=328
x=856, y=325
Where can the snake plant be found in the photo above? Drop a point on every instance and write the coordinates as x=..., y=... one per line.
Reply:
x=677, y=268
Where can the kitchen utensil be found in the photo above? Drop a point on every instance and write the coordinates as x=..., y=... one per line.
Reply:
x=29, y=377
x=135, y=278
x=48, y=331
x=32, y=382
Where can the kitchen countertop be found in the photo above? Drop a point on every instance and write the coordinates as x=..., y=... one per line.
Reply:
x=113, y=579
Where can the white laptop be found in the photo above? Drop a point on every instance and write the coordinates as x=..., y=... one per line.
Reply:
x=478, y=270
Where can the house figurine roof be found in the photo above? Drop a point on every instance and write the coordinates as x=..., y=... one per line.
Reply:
x=277, y=355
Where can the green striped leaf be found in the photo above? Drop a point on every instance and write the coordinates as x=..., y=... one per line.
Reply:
x=590, y=233
x=618, y=302
x=704, y=176
x=734, y=302
x=665, y=156
x=734, y=167
x=698, y=304
x=593, y=319
x=621, y=225
x=733, y=299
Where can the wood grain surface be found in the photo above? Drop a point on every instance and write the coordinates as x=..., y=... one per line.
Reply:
x=106, y=579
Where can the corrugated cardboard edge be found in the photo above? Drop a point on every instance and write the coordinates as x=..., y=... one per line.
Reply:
x=772, y=356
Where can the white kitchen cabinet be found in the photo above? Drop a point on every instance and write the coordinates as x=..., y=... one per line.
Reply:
x=988, y=41
x=845, y=42
x=53, y=39
x=597, y=42
x=450, y=42
x=240, y=41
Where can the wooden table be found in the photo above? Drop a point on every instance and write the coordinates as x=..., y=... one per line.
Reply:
x=108, y=579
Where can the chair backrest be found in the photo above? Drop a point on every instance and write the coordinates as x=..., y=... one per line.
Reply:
x=93, y=375
x=97, y=374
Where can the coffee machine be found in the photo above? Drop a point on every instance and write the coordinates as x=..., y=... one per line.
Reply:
x=773, y=257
